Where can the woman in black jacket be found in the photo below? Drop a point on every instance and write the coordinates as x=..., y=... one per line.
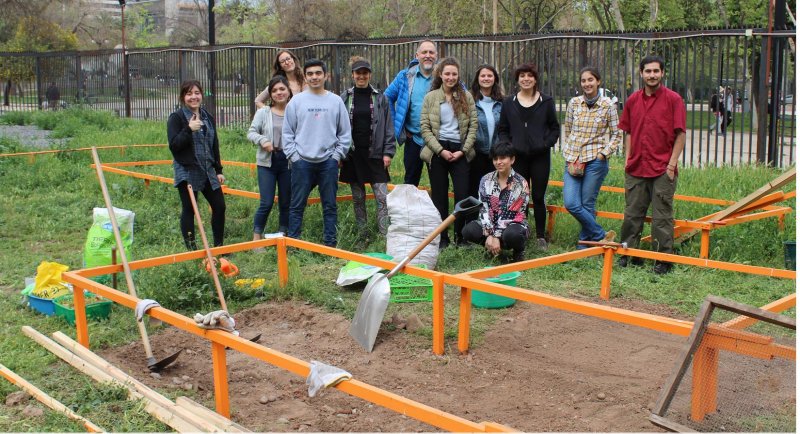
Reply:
x=528, y=120
x=192, y=137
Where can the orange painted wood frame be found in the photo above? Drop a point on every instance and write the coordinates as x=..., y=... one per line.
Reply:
x=219, y=340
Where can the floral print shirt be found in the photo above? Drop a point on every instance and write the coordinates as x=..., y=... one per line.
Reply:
x=502, y=207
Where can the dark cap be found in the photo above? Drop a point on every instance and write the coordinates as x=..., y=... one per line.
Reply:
x=361, y=64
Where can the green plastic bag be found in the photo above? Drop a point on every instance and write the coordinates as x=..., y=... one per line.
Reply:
x=354, y=272
x=100, y=239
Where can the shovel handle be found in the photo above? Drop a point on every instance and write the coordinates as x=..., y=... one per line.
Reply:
x=439, y=229
x=120, y=248
x=209, y=257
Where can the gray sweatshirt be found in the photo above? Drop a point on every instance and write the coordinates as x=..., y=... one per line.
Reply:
x=316, y=128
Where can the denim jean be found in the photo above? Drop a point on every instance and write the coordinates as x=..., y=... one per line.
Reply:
x=277, y=175
x=412, y=163
x=580, y=197
x=305, y=175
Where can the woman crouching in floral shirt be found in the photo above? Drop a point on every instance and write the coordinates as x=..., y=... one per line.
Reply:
x=504, y=193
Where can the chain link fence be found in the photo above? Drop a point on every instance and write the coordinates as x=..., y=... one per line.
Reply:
x=698, y=63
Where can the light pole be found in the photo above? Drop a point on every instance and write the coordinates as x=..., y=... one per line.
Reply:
x=126, y=75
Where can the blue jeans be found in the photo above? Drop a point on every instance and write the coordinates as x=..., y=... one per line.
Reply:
x=305, y=175
x=580, y=196
x=268, y=178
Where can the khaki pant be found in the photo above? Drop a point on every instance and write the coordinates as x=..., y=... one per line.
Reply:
x=640, y=194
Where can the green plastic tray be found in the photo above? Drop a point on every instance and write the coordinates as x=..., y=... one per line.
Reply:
x=410, y=289
x=95, y=308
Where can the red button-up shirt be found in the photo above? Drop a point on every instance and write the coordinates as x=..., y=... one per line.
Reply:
x=652, y=121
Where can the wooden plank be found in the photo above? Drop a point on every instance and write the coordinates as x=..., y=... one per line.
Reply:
x=769, y=187
x=718, y=330
x=131, y=383
x=668, y=424
x=171, y=419
x=46, y=399
x=221, y=421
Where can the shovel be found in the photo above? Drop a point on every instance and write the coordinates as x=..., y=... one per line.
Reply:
x=375, y=298
x=152, y=364
x=209, y=257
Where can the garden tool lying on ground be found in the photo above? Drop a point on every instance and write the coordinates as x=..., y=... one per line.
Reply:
x=211, y=262
x=152, y=363
x=375, y=298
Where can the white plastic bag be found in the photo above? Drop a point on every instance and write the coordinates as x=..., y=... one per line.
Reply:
x=412, y=218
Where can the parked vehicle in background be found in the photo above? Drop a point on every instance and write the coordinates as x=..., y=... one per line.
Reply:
x=788, y=99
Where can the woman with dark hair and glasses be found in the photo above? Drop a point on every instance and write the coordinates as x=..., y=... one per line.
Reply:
x=273, y=167
x=528, y=120
x=192, y=138
x=487, y=91
x=287, y=65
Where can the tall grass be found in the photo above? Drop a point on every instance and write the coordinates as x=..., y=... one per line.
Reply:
x=47, y=207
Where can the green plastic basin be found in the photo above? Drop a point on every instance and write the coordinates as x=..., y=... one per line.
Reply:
x=486, y=300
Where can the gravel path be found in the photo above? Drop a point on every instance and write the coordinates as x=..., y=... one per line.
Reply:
x=30, y=136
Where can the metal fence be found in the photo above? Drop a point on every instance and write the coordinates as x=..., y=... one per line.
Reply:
x=697, y=64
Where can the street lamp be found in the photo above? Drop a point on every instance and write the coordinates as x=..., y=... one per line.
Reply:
x=126, y=79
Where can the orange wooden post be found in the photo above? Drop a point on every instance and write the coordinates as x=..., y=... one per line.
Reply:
x=781, y=221
x=704, y=381
x=283, y=263
x=146, y=183
x=438, y=314
x=220, y=379
x=551, y=222
x=705, y=240
x=31, y=159
x=605, y=280
x=464, y=311
x=82, y=329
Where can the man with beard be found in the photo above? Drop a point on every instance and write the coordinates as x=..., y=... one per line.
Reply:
x=654, y=120
x=405, y=95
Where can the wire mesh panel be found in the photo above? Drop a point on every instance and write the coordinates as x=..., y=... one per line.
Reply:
x=736, y=379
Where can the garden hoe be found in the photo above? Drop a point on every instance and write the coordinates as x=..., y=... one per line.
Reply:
x=152, y=364
x=375, y=298
x=209, y=257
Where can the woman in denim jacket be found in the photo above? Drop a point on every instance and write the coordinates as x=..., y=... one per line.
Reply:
x=487, y=91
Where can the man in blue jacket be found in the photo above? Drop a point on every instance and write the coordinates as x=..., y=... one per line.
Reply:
x=405, y=95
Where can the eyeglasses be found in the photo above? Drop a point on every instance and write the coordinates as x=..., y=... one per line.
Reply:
x=285, y=60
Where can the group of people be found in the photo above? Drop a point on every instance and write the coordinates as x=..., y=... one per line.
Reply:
x=721, y=105
x=490, y=145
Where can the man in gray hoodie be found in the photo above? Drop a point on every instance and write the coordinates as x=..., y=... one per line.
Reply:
x=316, y=139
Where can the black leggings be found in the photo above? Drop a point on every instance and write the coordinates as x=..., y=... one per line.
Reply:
x=514, y=236
x=536, y=170
x=216, y=200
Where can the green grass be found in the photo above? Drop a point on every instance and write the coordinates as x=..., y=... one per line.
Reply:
x=47, y=206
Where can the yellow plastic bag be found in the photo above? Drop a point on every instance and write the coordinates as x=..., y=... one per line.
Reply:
x=48, y=283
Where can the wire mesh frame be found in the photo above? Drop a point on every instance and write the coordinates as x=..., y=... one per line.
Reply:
x=693, y=343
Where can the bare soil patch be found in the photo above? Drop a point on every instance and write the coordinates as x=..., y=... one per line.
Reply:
x=537, y=369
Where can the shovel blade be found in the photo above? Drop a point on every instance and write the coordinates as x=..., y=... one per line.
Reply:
x=157, y=366
x=369, y=314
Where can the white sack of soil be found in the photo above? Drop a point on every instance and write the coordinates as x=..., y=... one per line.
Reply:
x=412, y=217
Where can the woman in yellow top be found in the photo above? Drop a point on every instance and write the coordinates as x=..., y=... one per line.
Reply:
x=591, y=137
x=448, y=125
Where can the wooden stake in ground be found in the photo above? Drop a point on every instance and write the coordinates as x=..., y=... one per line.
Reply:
x=46, y=399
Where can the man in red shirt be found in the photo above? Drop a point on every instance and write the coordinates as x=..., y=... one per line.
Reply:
x=654, y=119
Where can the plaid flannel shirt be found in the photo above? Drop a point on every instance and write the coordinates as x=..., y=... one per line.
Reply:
x=589, y=131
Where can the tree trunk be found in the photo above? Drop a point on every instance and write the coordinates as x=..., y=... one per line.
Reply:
x=723, y=12
x=615, y=11
x=653, y=13
x=6, y=92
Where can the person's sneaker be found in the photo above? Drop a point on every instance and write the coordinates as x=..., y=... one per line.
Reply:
x=541, y=243
x=444, y=243
x=623, y=261
x=610, y=235
x=662, y=267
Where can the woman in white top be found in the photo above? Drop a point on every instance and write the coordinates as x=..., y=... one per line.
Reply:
x=287, y=65
x=273, y=167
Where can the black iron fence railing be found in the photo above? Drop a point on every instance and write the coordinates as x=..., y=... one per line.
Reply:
x=758, y=67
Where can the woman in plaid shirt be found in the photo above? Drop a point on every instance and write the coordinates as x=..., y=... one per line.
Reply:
x=591, y=137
